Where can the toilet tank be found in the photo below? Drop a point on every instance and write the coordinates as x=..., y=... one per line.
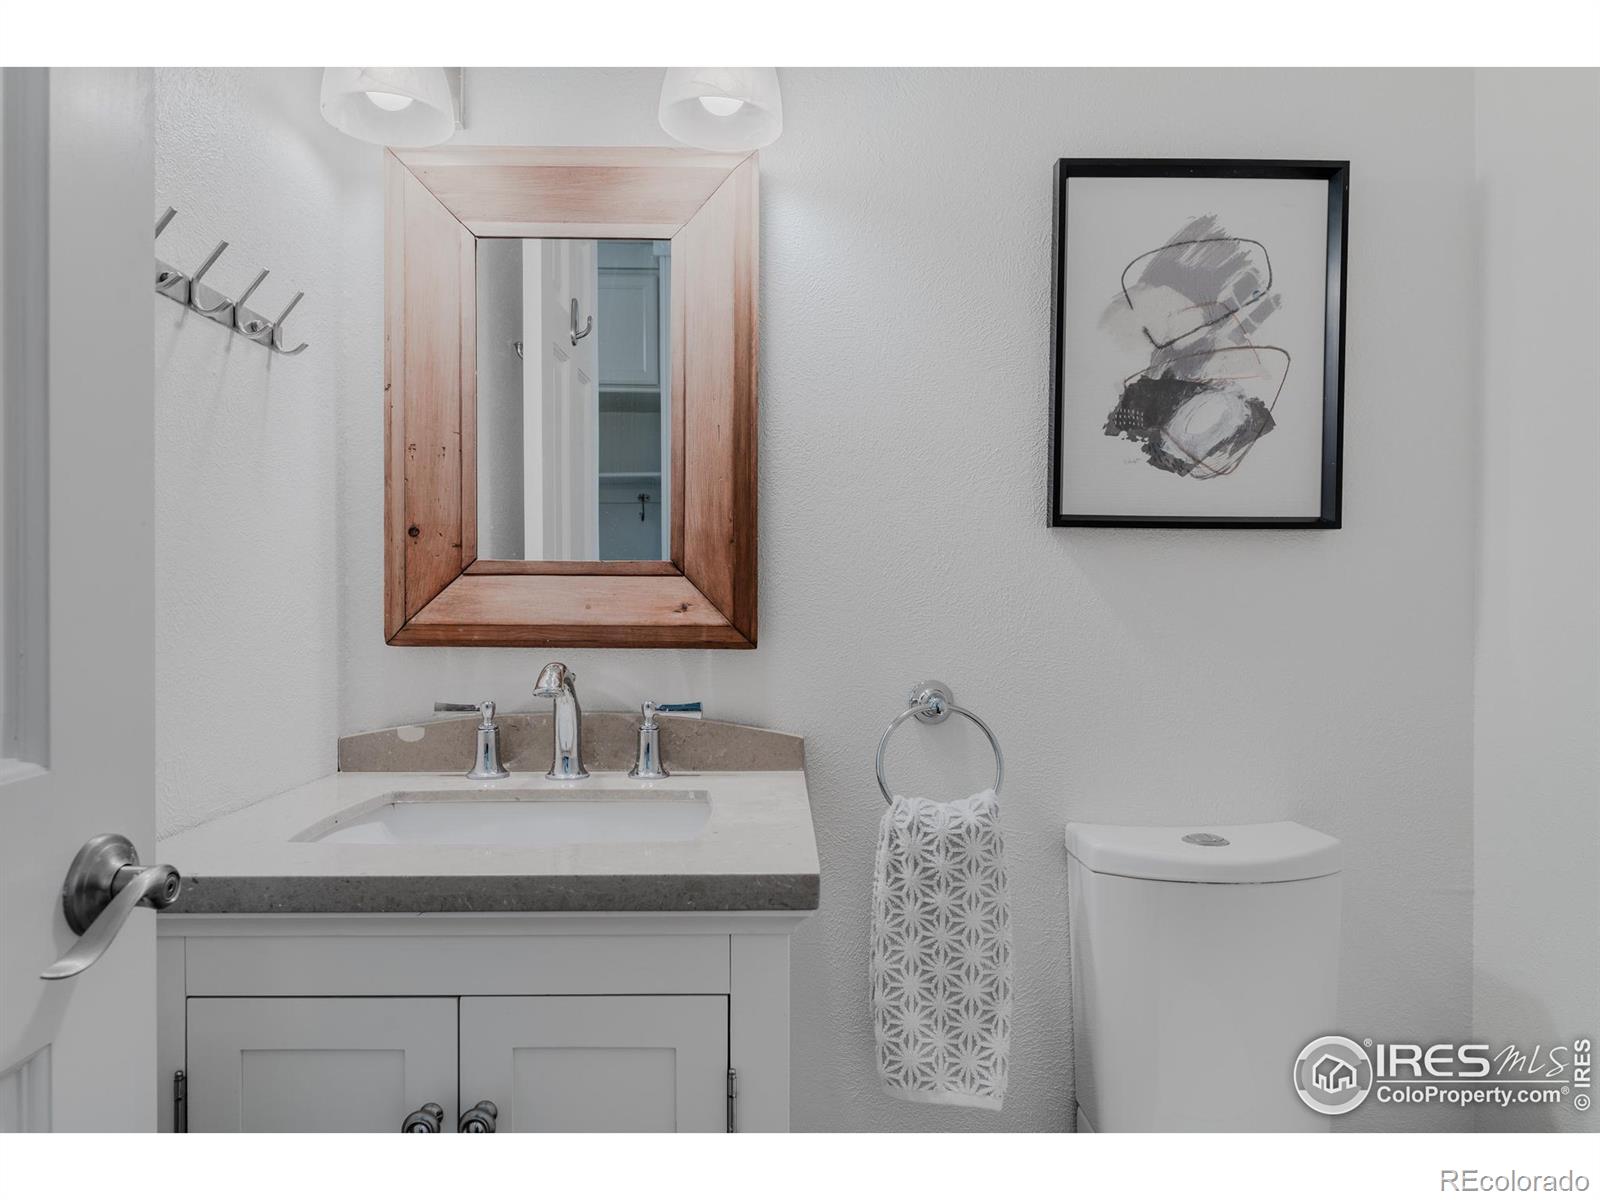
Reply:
x=1204, y=958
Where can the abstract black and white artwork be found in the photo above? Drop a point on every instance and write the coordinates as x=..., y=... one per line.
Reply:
x=1198, y=350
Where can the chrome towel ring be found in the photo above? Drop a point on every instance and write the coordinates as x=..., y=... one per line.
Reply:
x=932, y=703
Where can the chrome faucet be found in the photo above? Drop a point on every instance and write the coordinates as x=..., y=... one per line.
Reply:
x=555, y=682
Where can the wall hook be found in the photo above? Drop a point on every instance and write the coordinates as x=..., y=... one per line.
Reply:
x=588, y=328
x=252, y=326
x=194, y=292
x=277, y=327
x=170, y=281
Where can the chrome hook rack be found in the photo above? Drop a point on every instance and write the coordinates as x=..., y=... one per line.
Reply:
x=188, y=290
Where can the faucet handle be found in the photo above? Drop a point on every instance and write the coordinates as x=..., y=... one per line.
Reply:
x=486, y=762
x=484, y=709
x=647, y=763
x=650, y=708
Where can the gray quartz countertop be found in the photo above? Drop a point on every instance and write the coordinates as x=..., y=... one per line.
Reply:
x=750, y=847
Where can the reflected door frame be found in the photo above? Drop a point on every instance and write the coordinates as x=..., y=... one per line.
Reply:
x=561, y=398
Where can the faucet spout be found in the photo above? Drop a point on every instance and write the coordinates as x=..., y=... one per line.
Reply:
x=552, y=680
x=556, y=683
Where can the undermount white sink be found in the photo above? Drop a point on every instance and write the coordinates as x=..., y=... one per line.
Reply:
x=511, y=818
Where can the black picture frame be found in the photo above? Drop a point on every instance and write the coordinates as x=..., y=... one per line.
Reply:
x=1337, y=175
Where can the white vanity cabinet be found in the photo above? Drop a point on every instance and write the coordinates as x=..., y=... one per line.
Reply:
x=603, y=957
x=301, y=1064
x=566, y=1022
x=617, y=1064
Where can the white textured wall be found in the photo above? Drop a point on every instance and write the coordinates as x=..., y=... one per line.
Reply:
x=1536, y=976
x=246, y=451
x=1136, y=676
x=1133, y=676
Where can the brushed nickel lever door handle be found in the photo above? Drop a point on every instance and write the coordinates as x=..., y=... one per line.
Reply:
x=104, y=884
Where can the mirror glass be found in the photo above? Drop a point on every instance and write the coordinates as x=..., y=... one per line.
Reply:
x=574, y=445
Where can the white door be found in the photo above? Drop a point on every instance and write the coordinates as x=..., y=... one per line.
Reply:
x=598, y=1064
x=569, y=400
x=77, y=585
x=280, y=1064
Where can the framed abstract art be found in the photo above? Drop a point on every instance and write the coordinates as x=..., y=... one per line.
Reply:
x=1197, y=374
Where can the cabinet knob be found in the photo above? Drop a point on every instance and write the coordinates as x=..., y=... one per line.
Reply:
x=480, y=1118
x=427, y=1119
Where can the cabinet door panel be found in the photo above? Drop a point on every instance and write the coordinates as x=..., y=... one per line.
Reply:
x=309, y=1065
x=598, y=1064
x=629, y=329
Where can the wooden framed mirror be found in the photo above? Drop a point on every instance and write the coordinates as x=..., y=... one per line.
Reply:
x=599, y=488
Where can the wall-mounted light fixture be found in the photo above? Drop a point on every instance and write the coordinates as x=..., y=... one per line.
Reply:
x=391, y=106
x=722, y=108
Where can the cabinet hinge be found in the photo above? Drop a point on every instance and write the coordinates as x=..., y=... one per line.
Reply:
x=733, y=1094
x=180, y=1102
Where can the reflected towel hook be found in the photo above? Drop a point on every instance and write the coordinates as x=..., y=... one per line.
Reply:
x=588, y=326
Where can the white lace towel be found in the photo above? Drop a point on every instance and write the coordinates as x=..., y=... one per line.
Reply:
x=941, y=952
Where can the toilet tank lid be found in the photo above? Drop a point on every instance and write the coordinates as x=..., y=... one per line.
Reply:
x=1275, y=852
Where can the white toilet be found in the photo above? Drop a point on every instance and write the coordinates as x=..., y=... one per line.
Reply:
x=1204, y=958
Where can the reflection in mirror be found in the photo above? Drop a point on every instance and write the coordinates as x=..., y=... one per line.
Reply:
x=573, y=399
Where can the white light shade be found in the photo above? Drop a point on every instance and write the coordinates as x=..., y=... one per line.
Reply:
x=365, y=102
x=755, y=121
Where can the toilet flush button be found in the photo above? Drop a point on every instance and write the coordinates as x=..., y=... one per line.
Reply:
x=1205, y=839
